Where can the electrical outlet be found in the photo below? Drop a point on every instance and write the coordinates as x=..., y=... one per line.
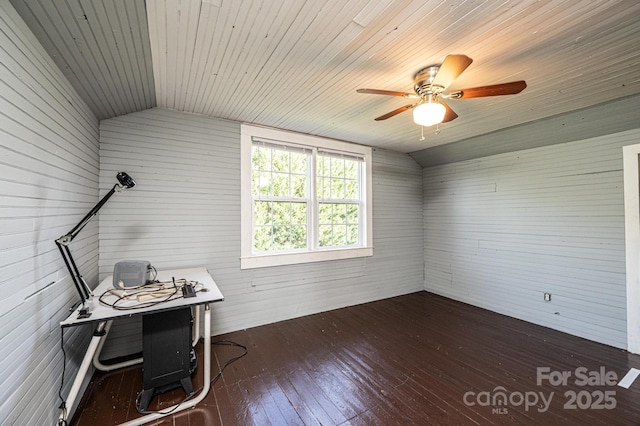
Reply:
x=547, y=297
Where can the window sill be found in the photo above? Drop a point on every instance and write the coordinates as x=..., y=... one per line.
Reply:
x=267, y=260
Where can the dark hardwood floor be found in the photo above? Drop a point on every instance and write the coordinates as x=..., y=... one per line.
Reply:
x=416, y=359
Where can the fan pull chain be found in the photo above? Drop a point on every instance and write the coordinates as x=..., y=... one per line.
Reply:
x=422, y=137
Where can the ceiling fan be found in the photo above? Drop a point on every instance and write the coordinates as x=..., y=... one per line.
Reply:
x=429, y=86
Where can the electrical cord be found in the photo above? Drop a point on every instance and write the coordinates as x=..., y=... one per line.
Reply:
x=155, y=273
x=120, y=299
x=63, y=404
x=150, y=290
x=212, y=381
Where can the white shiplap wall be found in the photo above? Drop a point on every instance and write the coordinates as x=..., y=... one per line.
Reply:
x=185, y=211
x=501, y=231
x=48, y=181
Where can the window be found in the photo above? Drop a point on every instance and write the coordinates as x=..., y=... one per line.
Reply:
x=280, y=195
x=304, y=198
x=339, y=198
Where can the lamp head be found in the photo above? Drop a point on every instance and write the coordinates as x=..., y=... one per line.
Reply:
x=125, y=180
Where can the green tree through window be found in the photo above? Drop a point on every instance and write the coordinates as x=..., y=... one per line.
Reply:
x=303, y=198
x=338, y=198
x=283, y=199
x=280, y=190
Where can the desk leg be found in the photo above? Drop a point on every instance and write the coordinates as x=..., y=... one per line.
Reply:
x=207, y=378
x=110, y=367
x=98, y=334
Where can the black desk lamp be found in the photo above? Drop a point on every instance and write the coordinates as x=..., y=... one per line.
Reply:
x=124, y=181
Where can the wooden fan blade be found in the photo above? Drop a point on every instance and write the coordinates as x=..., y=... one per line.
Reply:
x=387, y=92
x=450, y=115
x=395, y=112
x=494, y=90
x=450, y=69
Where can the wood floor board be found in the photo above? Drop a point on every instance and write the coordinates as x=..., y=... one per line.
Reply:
x=407, y=360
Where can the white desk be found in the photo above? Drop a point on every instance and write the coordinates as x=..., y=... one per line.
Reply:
x=103, y=316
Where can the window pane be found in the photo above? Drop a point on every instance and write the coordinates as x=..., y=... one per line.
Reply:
x=261, y=158
x=281, y=237
x=299, y=186
x=281, y=213
x=338, y=178
x=351, y=189
x=352, y=235
x=298, y=237
x=337, y=188
x=279, y=172
x=338, y=224
x=299, y=162
x=262, y=238
x=280, y=185
x=351, y=169
x=280, y=160
x=263, y=183
x=325, y=215
x=262, y=213
x=340, y=235
x=337, y=167
x=325, y=236
x=279, y=225
x=340, y=213
x=352, y=214
x=299, y=214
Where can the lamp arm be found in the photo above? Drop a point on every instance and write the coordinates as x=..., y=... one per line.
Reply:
x=71, y=235
x=78, y=280
x=63, y=245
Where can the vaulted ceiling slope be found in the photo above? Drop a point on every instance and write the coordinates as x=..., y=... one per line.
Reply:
x=296, y=64
x=102, y=47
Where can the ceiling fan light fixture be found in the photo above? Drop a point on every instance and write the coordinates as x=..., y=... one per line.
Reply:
x=428, y=114
x=430, y=85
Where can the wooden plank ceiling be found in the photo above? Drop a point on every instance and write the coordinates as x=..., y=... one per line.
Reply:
x=296, y=64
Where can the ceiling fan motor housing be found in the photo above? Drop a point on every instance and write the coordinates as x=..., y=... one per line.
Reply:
x=423, y=81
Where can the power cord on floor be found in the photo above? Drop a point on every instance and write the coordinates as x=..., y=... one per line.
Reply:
x=211, y=382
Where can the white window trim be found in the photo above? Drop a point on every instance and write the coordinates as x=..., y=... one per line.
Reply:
x=249, y=260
